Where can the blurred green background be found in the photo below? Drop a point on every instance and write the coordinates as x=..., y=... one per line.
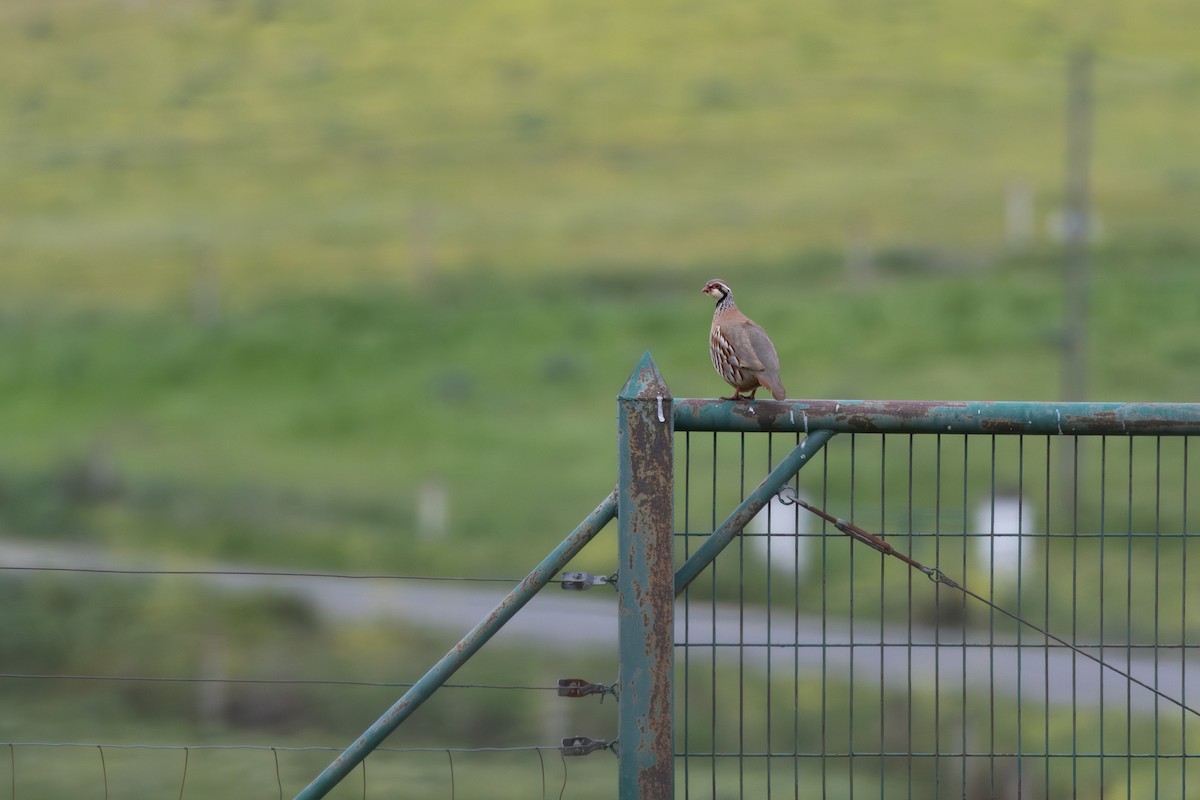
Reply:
x=275, y=274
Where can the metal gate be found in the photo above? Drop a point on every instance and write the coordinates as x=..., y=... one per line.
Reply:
x=845, y=599
x=1043, y=644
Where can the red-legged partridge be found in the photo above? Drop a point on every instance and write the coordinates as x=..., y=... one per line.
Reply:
x=741, y=350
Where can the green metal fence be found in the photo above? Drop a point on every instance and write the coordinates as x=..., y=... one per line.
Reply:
x=986, y=600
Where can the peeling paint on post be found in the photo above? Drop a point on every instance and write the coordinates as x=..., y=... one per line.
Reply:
x=645, y=586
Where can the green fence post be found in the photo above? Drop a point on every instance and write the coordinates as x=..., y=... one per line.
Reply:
x=645, y=586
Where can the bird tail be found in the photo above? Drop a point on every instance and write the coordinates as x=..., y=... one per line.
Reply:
x=774, y=385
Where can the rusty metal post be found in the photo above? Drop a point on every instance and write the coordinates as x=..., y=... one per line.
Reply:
x=645, y=586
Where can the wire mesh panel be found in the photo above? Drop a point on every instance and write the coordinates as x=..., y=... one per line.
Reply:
x=810, y=665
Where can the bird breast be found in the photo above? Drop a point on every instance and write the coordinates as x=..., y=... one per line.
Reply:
x=724, y=357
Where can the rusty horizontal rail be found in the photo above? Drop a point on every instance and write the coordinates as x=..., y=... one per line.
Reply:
x=931, y=417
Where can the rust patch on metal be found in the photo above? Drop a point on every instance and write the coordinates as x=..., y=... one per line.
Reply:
x=646, y=586
x=939, y=416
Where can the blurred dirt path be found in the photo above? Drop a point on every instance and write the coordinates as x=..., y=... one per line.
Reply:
x=895, y=656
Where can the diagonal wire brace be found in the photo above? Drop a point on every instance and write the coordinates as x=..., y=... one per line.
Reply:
x=787, y=495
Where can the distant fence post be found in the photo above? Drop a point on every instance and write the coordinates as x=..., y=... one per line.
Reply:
x=645, y=586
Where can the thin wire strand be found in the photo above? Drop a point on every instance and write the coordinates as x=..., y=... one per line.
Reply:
x=1183, y=757
x=991, y=695
x=1129, y=626
x=796, y=636
x=852, y=596
x=1046, y=614
x=1157, y=585
x=714, y=590
x=883, y=719
x=1183, y=619
x=908, y=762
x=824, y=627
x=542, y=764
x=183, y=781
x=275, y=751
x=963, y=725
x=1075, y=605
x=687, y=618
x=794, y=686
x=858, y=534
x=1021, y=522
x=103, y=770
x=255, y=574
x=1102, y=592
x=937, y=629
x=280, y=748
x=266, y=681
x=770, y=603
x=563, y=790
x=742, y=626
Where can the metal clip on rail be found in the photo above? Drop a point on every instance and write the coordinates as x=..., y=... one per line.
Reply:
x=578, y=687
x=582, y=581
x=582, y=745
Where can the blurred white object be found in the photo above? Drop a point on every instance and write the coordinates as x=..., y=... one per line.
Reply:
x=1004, y=553
x=433, y=509
x=1019, y=221
x=781, y=547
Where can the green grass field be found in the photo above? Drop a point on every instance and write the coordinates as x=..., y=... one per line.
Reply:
x=291, y=144
x=316, y=419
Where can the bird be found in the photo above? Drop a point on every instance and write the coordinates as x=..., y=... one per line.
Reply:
x=741, y=351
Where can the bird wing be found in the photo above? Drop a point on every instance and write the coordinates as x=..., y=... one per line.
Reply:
x=754, y=350
x=758, y=355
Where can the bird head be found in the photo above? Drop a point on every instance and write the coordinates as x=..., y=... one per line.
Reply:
x=717, y=289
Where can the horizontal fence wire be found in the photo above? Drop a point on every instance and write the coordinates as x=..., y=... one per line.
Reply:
x=807, y=660
x=29, y=776
x=281, y=748
x=120, y=783
x=235, y=573
x=20, y=676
